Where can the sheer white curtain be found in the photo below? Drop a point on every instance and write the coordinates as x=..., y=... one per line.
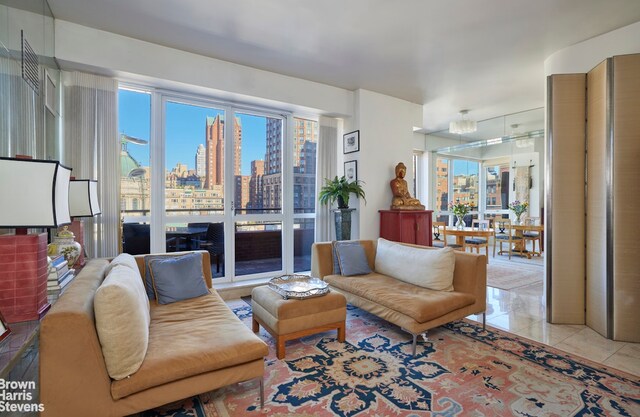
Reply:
x=327, y=167
x=92, y=149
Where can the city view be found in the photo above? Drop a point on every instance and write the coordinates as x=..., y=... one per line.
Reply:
x=196, y=186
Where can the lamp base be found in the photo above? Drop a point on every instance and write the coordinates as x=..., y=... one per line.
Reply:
x=23, y=277
x=77, y=227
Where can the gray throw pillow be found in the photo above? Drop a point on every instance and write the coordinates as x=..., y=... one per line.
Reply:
x=176, y=279
x=148, y=283
x=336, y=262
x=353, y=260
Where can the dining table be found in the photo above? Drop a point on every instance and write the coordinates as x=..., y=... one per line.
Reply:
x=188, y=233
x=460, y=234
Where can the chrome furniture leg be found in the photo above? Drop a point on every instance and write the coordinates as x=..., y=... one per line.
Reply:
x=262, y=392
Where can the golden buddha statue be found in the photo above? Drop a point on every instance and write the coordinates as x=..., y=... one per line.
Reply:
x=402, y=200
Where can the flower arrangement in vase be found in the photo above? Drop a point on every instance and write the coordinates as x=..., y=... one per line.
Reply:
x=519, y=209
x=460, y=210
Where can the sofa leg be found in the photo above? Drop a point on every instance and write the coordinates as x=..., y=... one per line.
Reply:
x=484, y=320
x=413, y=346
x=262, y=392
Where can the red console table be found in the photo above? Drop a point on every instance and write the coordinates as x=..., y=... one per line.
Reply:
x=406, y=226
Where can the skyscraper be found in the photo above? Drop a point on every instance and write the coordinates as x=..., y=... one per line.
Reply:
x=305, y=137
x=255, y=185
x=274, y=152
x=214, y=133
x=201, y=161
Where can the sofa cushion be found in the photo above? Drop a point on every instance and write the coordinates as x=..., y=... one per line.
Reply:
x=336, y=260
x=122, y=321
x=148, y=282
x=123, y=259
x=352, y=259
x=419, y=303
x=428, y=268
x=188, y=338
x=177, y=279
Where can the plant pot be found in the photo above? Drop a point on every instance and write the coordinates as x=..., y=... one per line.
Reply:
x=343, y=223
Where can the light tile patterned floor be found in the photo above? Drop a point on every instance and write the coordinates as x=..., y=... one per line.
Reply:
x=522, y=311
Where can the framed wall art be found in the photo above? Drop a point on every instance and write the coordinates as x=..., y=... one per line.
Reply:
x=351, y=171
x=351, y=142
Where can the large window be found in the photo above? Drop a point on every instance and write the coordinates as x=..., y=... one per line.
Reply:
x=305, y=144
x=497, y=187
x=239, y=183
x=465, y=182
x=134, y=114
x=194, y=159
x=457, y=180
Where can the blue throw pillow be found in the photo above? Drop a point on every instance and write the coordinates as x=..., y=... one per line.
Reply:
x=177, y=278
x=148, y=283
x=334, y=248
x=352, y=259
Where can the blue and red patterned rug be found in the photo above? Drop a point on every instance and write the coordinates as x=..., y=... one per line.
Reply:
x=460, y=370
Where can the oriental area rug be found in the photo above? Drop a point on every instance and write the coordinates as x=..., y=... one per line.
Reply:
x=459, y=370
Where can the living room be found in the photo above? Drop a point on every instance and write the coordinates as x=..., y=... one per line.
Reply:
x=116, y=76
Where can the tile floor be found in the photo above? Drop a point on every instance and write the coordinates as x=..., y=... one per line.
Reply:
x=522, y=311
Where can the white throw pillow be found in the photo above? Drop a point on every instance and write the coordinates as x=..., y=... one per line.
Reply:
x=123, y=259
x=428, y=268
x=121, y=307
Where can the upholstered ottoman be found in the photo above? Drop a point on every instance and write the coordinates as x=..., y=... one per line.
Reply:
x=291, y=319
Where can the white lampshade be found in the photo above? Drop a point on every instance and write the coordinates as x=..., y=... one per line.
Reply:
x=83, y=198
x=35, y=193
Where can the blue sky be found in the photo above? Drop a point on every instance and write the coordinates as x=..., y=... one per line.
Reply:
x=185, y=130
x=462, y=167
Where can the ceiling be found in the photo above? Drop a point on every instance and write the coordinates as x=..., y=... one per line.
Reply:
x=486, y=56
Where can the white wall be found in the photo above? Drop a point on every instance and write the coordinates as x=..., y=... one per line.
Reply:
x=386, y=138
x=583, y=56
x=84, y=48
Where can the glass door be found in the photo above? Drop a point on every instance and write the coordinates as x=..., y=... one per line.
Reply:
x=194, y=180
x=255, y=147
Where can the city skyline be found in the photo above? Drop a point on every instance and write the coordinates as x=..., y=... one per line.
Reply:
x=183, y=130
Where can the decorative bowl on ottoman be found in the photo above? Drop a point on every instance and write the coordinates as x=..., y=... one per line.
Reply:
x=298, y=286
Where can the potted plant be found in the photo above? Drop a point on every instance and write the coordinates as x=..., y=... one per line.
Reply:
x=340, y=189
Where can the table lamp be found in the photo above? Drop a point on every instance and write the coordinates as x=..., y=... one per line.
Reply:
x=34, y=195
x=83, y=202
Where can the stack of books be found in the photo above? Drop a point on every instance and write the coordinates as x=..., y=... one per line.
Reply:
x=60, y=275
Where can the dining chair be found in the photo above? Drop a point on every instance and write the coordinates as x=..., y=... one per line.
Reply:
x=532, y=236
x=504, y=233
x=438, y=234
x=440, y=237
x=136, y=238
x=478, y=242
x=214, y=243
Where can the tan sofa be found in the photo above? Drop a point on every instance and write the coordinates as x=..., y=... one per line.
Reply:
x=415, y=309
x=195, y=346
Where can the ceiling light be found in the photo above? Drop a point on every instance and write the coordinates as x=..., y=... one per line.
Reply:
x=464, y=125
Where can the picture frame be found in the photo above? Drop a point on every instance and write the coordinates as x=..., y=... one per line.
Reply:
x=4, y=329
x=351, y=171
x=351, y=142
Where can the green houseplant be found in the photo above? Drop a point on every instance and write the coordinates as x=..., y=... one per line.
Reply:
x=340, y=189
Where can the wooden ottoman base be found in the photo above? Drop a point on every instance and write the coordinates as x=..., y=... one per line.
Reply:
x=280, y=339
x=292, y=319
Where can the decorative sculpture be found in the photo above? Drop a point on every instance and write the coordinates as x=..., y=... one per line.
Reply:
x=402, y=200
